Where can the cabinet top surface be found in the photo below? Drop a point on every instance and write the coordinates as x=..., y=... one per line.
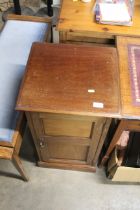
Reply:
x=78, y=16
x=73, y=79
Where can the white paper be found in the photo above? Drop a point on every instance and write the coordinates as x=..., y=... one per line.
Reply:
x=91, y=91
x=98, y=105
x=114, y=12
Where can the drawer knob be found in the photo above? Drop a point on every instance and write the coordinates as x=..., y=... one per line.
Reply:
x=42, y=144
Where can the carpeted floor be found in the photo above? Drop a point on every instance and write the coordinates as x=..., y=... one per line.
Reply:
x=53, y=189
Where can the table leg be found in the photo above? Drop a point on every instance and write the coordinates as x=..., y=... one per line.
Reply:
x=17, y=7
x=18, y=10
x=121, y=127
x=49, y=7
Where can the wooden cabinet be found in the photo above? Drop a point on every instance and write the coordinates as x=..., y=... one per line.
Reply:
x=68, y=141
x=69, y=94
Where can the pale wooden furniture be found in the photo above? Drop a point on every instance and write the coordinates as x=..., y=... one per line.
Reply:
x=16, y=38
x=77, y=24
x=9, y=149
x=130, y=113
x=57, y=95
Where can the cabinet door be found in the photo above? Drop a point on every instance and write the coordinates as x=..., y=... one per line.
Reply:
x=68, y=139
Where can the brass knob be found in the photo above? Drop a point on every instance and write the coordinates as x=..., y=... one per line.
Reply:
x=42, y=144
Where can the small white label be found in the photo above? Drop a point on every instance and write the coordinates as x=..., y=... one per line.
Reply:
x=91, y=91
x=98, y=105
x=86, y=1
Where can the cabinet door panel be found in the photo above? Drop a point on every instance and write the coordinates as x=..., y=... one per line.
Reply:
x=67, y=127
x=63, y=151
x=68, y=137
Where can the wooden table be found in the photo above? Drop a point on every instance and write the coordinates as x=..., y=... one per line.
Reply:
x=130, y=107
x=70, y=94
x=77, y=23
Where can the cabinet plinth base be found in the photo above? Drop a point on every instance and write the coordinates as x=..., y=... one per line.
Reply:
x=76, y=167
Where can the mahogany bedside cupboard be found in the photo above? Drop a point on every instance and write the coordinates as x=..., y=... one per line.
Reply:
x=69, y=94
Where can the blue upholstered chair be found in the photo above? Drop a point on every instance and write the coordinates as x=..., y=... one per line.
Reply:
x=16, y=38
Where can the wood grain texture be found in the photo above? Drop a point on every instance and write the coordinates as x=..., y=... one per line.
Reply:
x=84, y=38
x=95, y=138
x=68, y=149
x=128, y=110
x=19, y=132
x=67, y=126
x=102, y=139
x=34, y=133
x=68, y=140
x=59, y=150
x=6, y=153
x=28, y=18
x=77, y=167
x=17, y=163
x=11, y=151
x=78, y=17
x=55, y=94
x=58, y=77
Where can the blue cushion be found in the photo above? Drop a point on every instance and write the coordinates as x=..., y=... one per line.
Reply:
x=15, y=42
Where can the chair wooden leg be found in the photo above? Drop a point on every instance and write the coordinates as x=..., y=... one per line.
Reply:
x=17, y=163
